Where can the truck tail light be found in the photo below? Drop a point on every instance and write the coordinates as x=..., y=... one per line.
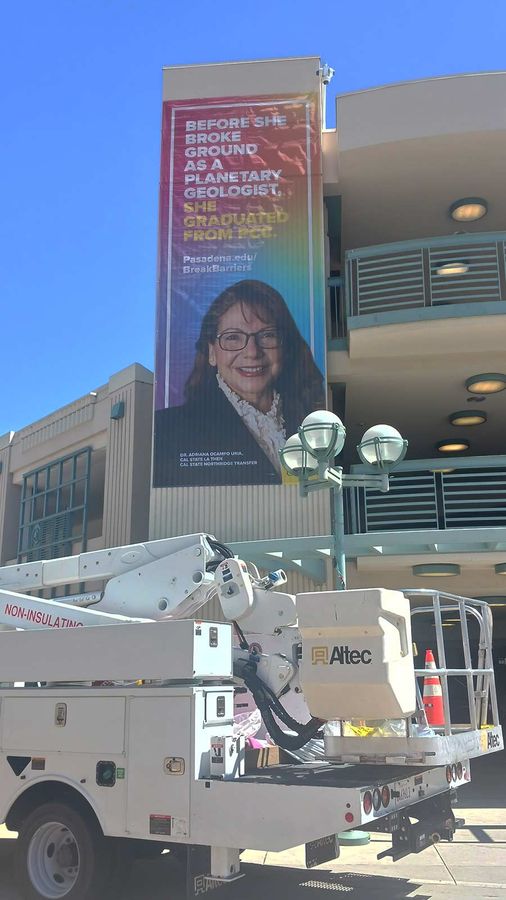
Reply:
x=376, y=799
x=385, y=795
x=367, y=802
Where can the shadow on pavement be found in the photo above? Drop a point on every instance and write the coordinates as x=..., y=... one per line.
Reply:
x=162, y=879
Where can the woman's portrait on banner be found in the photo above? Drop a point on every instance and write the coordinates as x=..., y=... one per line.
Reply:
x=253, y=381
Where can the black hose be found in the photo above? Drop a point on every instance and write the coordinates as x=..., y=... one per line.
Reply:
x=219, y=548
x=243, y=644
x=264, y=696
x=287, y=741
x=256, y=683
x=225, y=551
x=269, y=705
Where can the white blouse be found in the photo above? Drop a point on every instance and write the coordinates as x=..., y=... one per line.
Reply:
x=268, y=428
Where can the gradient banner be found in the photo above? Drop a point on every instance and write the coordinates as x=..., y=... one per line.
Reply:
x=240, y=253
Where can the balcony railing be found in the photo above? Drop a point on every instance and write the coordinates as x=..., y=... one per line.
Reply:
x=458, y=269
x=427, y=498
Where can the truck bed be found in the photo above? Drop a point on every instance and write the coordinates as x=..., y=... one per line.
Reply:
x=331, y=775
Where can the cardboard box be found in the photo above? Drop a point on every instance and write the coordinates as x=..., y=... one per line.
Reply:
x=262, y=757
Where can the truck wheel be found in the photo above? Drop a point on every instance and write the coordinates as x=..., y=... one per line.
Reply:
x=60, y=854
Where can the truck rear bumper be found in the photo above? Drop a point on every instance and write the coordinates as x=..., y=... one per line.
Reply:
x=285, y=806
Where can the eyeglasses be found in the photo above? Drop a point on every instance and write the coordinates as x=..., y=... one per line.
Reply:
x=267, y=339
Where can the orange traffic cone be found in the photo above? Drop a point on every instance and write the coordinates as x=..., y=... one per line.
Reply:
x=432, y=693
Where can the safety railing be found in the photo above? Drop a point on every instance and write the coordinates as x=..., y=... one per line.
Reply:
x=447, y=738
x=470, y=497
x=478, y=673
x=458, y=269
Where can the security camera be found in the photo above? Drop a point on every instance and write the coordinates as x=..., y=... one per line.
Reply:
x=326, y=74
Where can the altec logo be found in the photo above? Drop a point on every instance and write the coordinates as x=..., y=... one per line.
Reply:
x=343, y=655
x=493, y=741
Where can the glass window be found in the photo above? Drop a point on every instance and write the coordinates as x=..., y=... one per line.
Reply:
x=29, y=486
x=77, y=524
x=53, y=514
x=64, y=498
x=51, y=499
x=81, y=466
x=53, y=475
x=79, y=492
x=40, y=481
x=67, y=470
x=38, y=507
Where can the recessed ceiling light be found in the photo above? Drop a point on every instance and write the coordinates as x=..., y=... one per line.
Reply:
x=452, y=446
x=500, y=569
x=430, y=570
x=469, y=209
x=457, y=267
x=489, y=383
x=468, y=417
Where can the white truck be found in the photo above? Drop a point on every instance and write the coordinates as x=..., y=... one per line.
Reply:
x=119, y=738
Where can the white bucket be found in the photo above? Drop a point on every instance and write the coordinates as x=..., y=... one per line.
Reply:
x=357, y=656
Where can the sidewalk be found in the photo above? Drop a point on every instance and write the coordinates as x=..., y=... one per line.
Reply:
x=473, y=866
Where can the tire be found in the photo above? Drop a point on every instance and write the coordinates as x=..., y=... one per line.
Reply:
x=61, y=853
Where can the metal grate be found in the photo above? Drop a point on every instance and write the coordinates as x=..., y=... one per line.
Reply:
x=387, y=283
x=479, y=283
x=474, y=497
x=42, y=535
x=410, y=504
x=432, y=500
x=411, y=275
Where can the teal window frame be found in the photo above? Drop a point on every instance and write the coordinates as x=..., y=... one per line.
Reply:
x=54, y=498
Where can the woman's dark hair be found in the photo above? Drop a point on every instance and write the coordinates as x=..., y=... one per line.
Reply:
x=299, y=383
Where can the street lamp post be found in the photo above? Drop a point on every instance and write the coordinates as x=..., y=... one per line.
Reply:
x=309, y=453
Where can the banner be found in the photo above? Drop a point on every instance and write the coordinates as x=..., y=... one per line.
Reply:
x=240, y=347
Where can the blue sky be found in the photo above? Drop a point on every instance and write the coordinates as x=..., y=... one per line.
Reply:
x=79, y=153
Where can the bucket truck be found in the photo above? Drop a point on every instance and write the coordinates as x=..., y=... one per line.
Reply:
x=117, y=715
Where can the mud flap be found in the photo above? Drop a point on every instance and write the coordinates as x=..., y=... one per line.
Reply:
x=321, y=851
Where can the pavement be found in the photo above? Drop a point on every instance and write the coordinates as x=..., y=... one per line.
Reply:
x=473, y=867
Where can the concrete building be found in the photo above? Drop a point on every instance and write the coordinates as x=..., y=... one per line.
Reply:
x=78, y=479
x=416, y=308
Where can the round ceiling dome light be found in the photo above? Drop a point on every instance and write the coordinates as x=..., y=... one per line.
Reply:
x=468, y=417
x=457, y=267
x=436, y=570
x=468, y=209
x=489, y=383
x=452, y=446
